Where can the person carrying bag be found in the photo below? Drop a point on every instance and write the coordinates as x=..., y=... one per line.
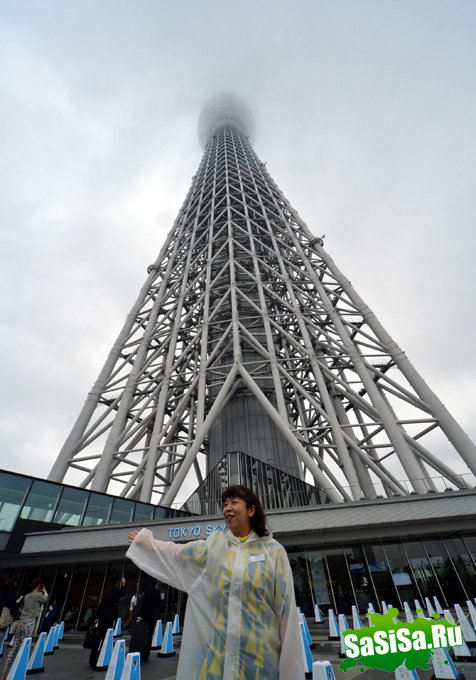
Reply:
x=31, y=609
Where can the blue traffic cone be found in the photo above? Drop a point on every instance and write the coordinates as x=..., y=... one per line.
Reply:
x=306, y=650
x=50, y=642
x=322, y=670
x=18, y=669
x=176, y=625
x=318, y=618
x=343, y=625
x=356, y=620
x=35, y=665
x=402, y=673
x=61, y=630
x=57, y=633
x=333, y=627
x=443, y=666
x=131, y=667
x=157, y=636
x=116, y=666
x=303, y=620
x=118, y=628
x=105, y=654
x=167, y=648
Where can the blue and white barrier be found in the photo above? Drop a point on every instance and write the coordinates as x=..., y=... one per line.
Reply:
x=472, y=612
x=131, y=667
x=430, y=608
x=167, y=648
x=356, y=620
x=318, y=617
x=117, y=628
x=333, y=627
x=343, y=625
x=176, y=625
x=105, y=653
x=438, y=607
x=417, y=605
x=35, y=665
x=306, y=650
x=157, y=636
x=322, y=670
x=302, y=620
x=402, y=673
x=50, y=642
x=443, y=666
x=56, y=637
x=384, y=607
x=462, y=652
x=467, y=629
x=114, y=671
x=408, y=613
x=61, y=631
x=20, y=663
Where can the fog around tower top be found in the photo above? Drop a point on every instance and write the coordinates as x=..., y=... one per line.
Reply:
x=224, y=108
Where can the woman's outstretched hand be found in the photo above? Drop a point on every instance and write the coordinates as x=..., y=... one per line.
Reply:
x=131, y=536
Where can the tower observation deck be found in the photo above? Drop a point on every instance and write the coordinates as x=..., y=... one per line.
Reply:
x=246, y=337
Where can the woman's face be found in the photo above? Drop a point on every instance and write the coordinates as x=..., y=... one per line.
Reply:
x=237, y=516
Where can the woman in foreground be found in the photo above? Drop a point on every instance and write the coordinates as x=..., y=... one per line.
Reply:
x=241, y=620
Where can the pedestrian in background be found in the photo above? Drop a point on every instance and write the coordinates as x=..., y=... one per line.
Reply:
x=8, y=604
x=241, y=620
x=30, y=611
x=148, y=611
x=106, y=615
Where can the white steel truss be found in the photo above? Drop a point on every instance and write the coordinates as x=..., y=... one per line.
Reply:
x=244, y=306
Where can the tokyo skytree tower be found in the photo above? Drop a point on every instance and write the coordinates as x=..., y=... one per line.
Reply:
x=246, y=337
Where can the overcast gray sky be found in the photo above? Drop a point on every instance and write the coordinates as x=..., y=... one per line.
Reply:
x=365, y=114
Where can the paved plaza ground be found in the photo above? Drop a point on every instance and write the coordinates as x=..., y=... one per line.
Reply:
x=70, y=661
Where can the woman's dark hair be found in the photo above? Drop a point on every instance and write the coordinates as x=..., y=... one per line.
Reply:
x=258, y=520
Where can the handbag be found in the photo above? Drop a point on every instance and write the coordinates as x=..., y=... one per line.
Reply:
x=91, y=638
x=6, y=619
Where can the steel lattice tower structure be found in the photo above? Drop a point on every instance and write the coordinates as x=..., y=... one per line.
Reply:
x=247, y=337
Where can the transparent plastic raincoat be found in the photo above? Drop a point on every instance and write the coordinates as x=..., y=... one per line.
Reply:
x=241, y=621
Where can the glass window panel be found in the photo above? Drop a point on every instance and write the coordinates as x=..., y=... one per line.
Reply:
x=302, y=582
x=401, y=573
x=163, y=513
x=470, y=542
x=423, y=568
x=445, y=567
x=71, y=506
x=340, y=581
x=320, y=580
x=13, y=490
x=122, y=511
x=145, y=512
x=74, y=598
x=94, y=588
x=41, y=501
x=98, y=510
x=59, y=592
x=381, y=575
x=359, y=574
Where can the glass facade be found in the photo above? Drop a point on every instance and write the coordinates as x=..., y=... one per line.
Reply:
x=389, y=571
x=339, y=577
x=276, y=489
x=27, y=498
